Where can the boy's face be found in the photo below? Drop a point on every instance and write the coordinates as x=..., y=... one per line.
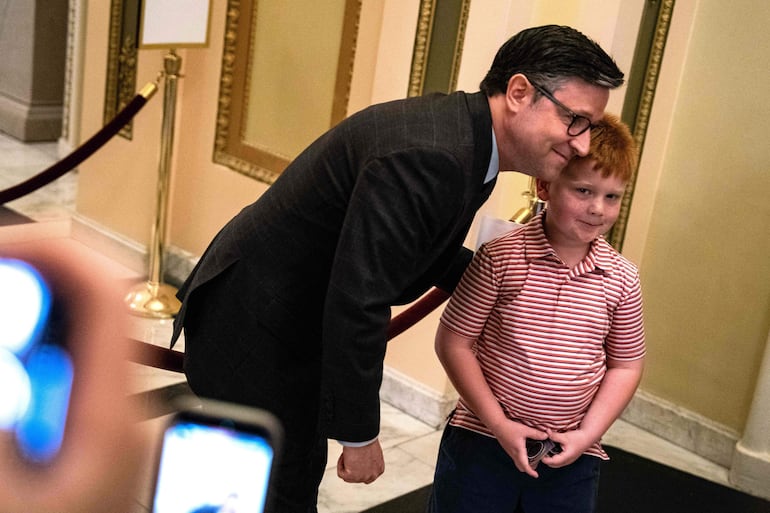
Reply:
x=582, y=204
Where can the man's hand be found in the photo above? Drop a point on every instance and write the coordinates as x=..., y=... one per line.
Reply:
x=361, y=464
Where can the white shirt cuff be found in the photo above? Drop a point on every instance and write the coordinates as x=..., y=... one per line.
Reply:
x=356, y=444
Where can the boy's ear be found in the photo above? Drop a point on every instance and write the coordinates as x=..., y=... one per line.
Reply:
x=543, y=189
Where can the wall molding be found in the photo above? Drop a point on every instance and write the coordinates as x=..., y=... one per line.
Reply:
x=130, y=253
x=29, y=122
x=123, y=250
x=682, y=427
x=415, y=399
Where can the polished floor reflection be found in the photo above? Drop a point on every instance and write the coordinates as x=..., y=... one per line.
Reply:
x=410, y=445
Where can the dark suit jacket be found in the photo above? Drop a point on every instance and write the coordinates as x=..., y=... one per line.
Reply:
x=370, y=215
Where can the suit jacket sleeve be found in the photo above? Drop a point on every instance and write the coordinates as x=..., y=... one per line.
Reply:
x=402, y=210
x=449, y=280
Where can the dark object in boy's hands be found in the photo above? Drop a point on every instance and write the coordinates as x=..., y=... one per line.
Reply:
x=538, y=449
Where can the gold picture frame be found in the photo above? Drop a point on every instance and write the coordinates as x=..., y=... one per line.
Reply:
x=438, y=46
x=120, y=86
x=260, y=156
x=640, y=93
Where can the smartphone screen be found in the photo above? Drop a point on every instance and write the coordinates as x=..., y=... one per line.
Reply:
x=36, y=370
x=214, y=463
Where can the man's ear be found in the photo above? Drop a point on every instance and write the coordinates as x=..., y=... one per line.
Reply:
x=543, y=189
x=518, y=91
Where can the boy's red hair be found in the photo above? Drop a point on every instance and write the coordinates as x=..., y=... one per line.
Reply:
x=613, y=148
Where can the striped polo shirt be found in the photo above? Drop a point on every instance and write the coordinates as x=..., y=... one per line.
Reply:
x=543, y=331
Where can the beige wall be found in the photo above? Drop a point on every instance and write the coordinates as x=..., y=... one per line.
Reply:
x=699, y=214
x=116, y=184
x=705, y=265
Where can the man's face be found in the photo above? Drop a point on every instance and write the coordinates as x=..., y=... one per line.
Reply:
x=535, y=139
x=582, y=204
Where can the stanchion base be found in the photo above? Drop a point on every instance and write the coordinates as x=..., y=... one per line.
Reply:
x=152, y=299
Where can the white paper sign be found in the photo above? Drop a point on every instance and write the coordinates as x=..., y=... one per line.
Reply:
x=174, y=23
x=492, y=227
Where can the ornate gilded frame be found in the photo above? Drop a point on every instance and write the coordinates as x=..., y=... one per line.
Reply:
x=640, y=93
x=120, y=87
x=440, y=27
x=230, y=149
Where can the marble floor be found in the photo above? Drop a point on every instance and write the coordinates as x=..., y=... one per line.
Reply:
x=410, y=446
x=19, y=162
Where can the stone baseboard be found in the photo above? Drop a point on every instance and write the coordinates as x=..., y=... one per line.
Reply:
x=415, y=399
x=682, y=427
x=177, y=263
x=30, y=123
x=122, y=250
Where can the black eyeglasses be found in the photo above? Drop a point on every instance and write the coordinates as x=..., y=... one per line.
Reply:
x=578, y=125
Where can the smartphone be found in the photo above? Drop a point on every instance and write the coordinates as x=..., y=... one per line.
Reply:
x=36, y=370
x=539, y=449
x=216, y=457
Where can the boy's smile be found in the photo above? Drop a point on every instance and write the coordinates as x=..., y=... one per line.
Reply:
x=582, y=204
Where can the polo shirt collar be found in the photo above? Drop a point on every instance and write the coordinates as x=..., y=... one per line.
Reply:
x=600, y=257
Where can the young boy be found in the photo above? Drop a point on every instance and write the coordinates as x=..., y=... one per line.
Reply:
x=544, y=340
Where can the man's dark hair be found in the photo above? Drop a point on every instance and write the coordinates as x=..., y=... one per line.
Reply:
x=548, y=56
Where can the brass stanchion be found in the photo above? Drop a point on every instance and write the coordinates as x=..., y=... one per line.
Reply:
x=154, y=298
x=534, y=205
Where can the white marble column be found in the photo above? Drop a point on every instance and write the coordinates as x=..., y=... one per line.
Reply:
x=750, y=469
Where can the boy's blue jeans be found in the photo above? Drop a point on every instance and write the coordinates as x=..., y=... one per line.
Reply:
x=475, y=474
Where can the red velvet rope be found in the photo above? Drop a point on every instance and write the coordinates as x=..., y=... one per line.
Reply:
x=84, y=151
x=156, y=356
x=416, y=312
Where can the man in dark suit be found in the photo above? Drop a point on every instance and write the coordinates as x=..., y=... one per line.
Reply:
x=288, y=308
